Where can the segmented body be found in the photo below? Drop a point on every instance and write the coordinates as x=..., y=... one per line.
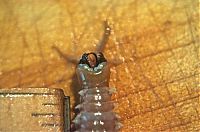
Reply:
x=96, y=108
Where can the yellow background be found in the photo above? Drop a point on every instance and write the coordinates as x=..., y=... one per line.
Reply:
x=157, y=85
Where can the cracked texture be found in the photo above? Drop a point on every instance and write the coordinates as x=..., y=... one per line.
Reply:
x=157, y=85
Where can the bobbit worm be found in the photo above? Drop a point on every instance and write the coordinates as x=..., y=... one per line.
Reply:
x=96, y=107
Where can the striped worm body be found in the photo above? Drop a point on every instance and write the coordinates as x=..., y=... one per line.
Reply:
x=93, y=72
x=96, y=108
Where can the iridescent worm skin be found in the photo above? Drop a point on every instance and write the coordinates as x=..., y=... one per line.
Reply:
x=93, y=72
x=96, y=108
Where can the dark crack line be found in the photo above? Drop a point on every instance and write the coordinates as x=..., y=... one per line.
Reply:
x=181, y=124
x=165, y=50
x=162, y=107
x=177, y=110
x=10, y=14
x=146, y=80
x=43, y=60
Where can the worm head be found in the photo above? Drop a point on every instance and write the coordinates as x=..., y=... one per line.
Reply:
x=92, y=59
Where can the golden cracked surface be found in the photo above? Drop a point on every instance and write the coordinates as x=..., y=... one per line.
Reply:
x=157, y=85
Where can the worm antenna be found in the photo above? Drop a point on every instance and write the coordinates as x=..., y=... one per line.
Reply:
x=105, y=37
x=68, y=58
